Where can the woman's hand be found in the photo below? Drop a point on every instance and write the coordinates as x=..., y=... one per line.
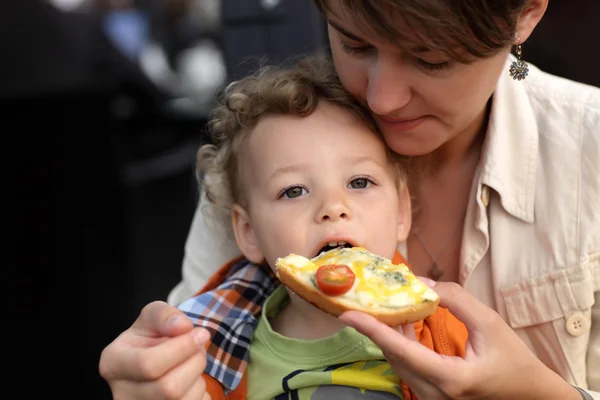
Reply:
x=497, y=364
x=161, y=356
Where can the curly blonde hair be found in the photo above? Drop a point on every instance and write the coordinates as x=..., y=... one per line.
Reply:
x=241, y=105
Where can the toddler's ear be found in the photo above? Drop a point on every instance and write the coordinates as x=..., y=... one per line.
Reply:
x=244, y=235
x=404, y=214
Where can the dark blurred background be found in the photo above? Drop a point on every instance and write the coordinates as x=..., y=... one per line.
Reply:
x=103, y=103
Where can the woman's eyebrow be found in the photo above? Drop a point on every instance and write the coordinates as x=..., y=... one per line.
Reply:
x=345, y=32
x=351, y=36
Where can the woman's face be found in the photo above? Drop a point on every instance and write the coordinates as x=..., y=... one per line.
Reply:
x=420, y=99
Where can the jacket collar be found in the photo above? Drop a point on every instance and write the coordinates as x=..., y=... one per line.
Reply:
x=510, y=155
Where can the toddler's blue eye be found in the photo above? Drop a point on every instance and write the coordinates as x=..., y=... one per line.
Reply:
x=294, y=192
x=359, y=183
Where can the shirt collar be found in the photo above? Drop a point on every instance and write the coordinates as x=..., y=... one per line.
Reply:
x=511, y=147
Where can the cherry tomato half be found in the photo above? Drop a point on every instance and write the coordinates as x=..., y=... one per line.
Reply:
x=335, y=279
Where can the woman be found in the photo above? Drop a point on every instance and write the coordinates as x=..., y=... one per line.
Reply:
x=508, y=198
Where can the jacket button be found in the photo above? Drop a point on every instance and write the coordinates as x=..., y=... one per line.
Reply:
x=577, y=324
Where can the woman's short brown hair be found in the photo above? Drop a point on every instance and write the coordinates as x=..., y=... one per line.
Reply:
x=462, y=29
x=271, y=90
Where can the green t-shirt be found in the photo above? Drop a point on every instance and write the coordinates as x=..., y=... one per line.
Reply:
x=346, y=365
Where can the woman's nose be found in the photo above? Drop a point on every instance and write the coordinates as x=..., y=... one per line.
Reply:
x=388, y=88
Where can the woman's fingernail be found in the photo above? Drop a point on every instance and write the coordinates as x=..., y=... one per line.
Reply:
x=174, y=320
x=429, y=282
x=201, y=336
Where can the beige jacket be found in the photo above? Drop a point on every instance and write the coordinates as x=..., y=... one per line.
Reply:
x=537, y=195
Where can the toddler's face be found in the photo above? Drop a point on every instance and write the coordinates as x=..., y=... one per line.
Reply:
x=314, y=180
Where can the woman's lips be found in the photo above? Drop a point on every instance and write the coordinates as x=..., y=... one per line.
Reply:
x=401, y=124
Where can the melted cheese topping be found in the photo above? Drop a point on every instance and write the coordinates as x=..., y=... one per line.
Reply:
x=378, y=283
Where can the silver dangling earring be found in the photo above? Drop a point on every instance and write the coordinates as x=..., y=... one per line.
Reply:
x=519, y=69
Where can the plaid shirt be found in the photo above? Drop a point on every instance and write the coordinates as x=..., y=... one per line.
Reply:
x=230, y=311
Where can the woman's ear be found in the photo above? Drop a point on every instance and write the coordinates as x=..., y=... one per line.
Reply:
x=529, y=18
x=244, y=235
x=404, y=214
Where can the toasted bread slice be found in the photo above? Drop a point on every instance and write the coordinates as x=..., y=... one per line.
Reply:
x=391, y=293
